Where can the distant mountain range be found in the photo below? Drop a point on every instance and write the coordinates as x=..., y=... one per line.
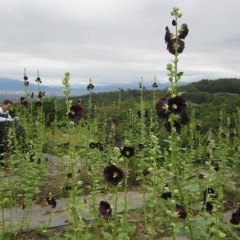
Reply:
x=8, y=85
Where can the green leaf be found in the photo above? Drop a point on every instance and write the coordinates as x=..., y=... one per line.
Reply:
x=107, y=235
x=179, y=75
x=221, y=234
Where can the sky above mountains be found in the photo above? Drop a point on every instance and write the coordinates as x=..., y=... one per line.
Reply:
x=113, y=41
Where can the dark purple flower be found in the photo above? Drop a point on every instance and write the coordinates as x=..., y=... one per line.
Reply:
x=166, y=195
x=26, y=83
x=119, y=144
x=41, y=94
x=235, y=219
x=145, y=172
x=154, y=85
x=201, y=176
x=76, y=112
x=215, y=166
x=141, y=146
x=211, y=193
x=69, y=175
x=38, y=80
x=174, y=23
x=198, y=127
x=100, y=146
x=198, y=161
x=38, y=102
x=90, y=86
x=92, y=145
x=105, y=210
x=161, y=108
x=167, y=35
x=176, y=124
x=128, y=152
x=51, y=201
x=24, y=101
x=177, y=105
x=184, y=31
x=172, y=43
x=113, y=175
x=181, y=211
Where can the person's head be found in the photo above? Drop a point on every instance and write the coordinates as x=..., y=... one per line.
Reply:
x=6, y=105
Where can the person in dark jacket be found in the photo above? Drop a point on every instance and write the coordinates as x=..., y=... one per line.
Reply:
x=5, y=119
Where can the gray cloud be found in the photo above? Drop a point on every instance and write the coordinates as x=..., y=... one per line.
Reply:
x=113, y=40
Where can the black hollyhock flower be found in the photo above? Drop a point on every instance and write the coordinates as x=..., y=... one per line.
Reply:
x=38, y=102
x=154, y=85
x=105, y=210
x=215, y=166
x=172, y=43
x=177, y=105
x=177, y=125
x=235, y=219
x=51, y=201
x=92, y=145
x=201, y=176
x=128, y=152
x=141, y=146
x=68, y=188
x=38, y=80
x=181, y=211
x=184, y=119
x=211, y=193
x=174, y=23
x=119, y=144
x=198, y=127
x=184, y=31
x=39, y=161
x=32, y=157
x=24, y=101
x=198, y=161
x=41, y=94
x=223, y=135
x=100, y=146
x=25, y=78
x=26, y=83
x=145, y=172
x=113, y=175
x=90, y=86
x=166, y=195
x=76, y=112
x=209, y=206
x=161, y=108
x=167, y=35
x=69, y=175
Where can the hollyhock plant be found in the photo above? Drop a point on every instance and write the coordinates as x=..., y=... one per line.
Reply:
x=113, y=175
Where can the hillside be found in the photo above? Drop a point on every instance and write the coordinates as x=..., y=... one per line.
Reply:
x=222, y=85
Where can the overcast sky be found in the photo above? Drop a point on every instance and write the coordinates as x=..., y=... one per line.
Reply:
x=113, y=41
